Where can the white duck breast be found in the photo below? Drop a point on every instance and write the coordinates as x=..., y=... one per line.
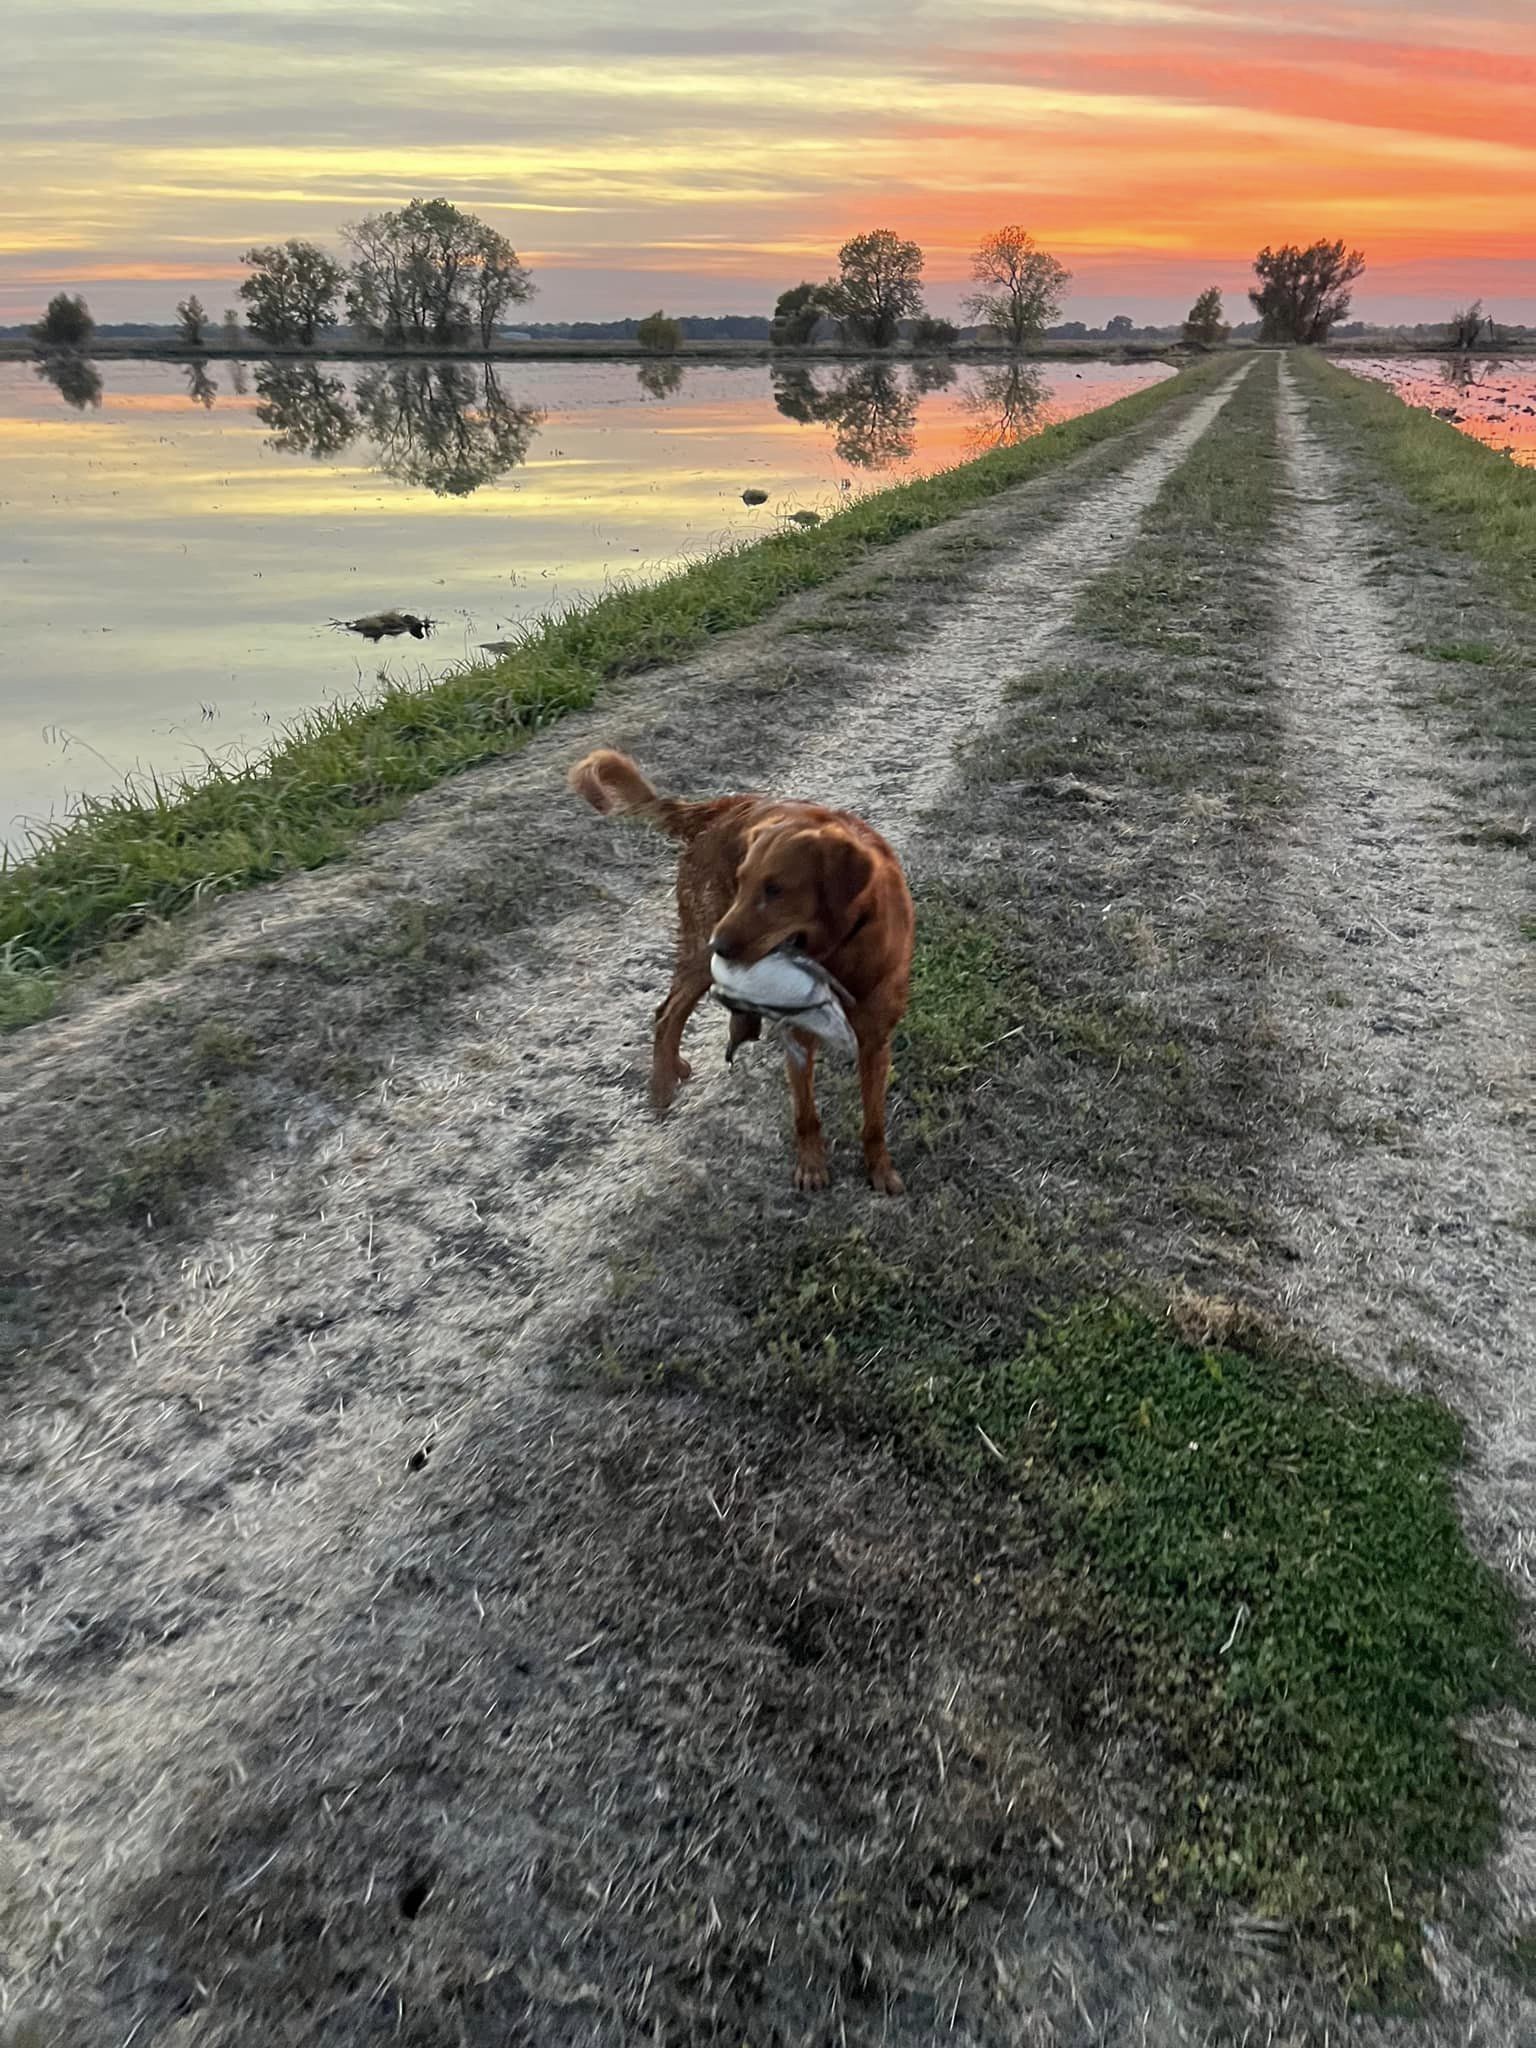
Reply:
x=788, y=991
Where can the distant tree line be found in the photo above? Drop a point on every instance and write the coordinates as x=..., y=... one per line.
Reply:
x=431, y=275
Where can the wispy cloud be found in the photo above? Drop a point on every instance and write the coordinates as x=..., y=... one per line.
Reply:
x=1175, y=135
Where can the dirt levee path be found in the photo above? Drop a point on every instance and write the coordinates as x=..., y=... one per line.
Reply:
x=242, y=1471
x=1409, y=999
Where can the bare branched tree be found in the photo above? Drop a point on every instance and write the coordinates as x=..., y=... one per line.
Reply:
x=1468, y=325
x=1022, y=286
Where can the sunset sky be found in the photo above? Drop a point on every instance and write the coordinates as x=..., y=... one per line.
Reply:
x=703, y=156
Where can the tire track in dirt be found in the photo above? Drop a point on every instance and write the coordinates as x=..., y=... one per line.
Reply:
x=1412, y=1013
x=239, y=1464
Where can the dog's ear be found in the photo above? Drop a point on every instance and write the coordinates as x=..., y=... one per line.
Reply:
x=847, y=869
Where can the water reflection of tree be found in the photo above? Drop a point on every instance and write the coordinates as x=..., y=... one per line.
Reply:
x=201, y=388
x=932, y=373
x=1461, y=372
x=75, y=377
x=1004, y=404
x=448, y=426
x=309, y=412
x=659, y=379
x=871, y=405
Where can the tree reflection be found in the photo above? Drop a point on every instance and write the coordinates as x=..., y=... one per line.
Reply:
x=659, y=379
x=932, y=373
x=447, y=426
x=872, y=407
x=309, y=412
x=201, y=388
x=1005, y=403
x=75, y=377
x=1461, y=372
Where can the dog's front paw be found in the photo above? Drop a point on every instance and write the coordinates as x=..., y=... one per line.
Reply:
x=811, y=1174
x=885, y=1180
x=665, y=1082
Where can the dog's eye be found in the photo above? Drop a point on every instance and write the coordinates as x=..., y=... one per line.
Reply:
x=770, y=890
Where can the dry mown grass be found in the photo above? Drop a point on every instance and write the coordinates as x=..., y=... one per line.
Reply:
x=1456, y=547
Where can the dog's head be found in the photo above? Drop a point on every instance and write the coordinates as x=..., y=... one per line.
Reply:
x=797, y=884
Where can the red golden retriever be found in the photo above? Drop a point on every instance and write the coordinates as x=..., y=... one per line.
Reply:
x=756, y=873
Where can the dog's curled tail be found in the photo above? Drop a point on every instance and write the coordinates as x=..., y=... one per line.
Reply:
x=612, y=783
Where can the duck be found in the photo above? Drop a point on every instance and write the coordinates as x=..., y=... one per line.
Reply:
x=386, y=626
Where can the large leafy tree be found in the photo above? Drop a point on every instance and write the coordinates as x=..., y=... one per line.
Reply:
x=291, y=293
x=660, y=333
x=1204, y=326
x=1022, y=286
x=192, y=321
x=879, y=282
x=499, y=280
x=1303, y=293
x=430, y=273
x=67, y=323
x=796, y=313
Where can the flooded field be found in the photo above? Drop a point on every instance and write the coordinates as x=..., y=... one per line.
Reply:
x=178, y=540
x=1492, y=398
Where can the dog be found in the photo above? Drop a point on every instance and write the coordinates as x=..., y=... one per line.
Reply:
x=756, y=873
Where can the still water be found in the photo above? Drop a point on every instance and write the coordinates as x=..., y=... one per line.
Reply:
x=176, y=540
x=1488, y=397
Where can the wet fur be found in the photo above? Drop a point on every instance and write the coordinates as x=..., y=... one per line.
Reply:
x=754, y=872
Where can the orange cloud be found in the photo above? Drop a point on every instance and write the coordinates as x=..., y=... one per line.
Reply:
x=1162, y=136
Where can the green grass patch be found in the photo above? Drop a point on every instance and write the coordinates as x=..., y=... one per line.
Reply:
x=971, y=994
x=1270, y=1557
x=1478, y=503
x=168, y=1170
x=1176, y=592
x=1480, y=653
x=153, y=851
x=1258, y=1554
x=28, y=986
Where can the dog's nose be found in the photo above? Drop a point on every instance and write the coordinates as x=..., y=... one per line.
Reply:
x=723, y=947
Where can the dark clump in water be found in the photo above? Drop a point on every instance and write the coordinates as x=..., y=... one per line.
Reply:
x=387, y=626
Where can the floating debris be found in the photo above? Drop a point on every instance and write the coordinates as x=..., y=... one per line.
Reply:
x=754, y=497
x=386, y=626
